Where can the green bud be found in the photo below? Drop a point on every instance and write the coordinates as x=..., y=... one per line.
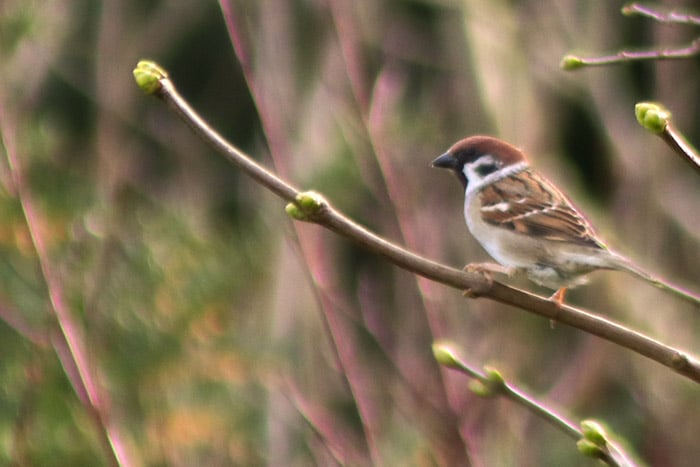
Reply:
x=571, y=62
x=481, y=389
x=306, y=205
x=445, y=355
x=294, y=212
x=594, y=432
x=627, y=10
x=311, y=202
x=494, y=377
x=589, y=449
x=148, y=75
x=652, y=116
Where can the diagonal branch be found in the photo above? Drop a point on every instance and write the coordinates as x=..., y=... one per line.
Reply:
x=574, y=62
x=490, y=382
x=68, y=339
x=311, y=207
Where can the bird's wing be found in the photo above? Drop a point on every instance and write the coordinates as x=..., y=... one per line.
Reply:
x=529, y=204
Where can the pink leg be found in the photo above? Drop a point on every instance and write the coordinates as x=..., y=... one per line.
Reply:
x=487, y=270
x=558, y=296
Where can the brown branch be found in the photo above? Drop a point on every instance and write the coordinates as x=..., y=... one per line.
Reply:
x=311, y=207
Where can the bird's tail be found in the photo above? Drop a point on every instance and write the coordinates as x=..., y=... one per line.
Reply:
x=657, y=282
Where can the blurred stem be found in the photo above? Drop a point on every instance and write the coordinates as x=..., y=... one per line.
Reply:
x=16, y=321
x=492, y=383
x=266, y=97
x=329, y=217
x=68, y=340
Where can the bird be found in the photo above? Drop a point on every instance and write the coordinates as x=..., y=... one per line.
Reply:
x=527, y=224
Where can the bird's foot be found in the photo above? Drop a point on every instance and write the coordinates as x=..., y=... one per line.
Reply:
x=558, y=296
x=558, y=299
x=486, y=270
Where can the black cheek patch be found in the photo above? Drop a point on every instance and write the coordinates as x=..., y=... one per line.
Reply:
x=486, y=169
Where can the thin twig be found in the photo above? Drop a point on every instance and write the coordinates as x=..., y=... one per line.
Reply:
x=573, y=62
x=492, y=383
x=324, y=214
x=672, y=16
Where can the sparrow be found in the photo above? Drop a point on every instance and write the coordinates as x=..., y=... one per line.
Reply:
x=527, y=224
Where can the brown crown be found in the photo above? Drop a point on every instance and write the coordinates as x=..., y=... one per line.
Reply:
x=471, y=148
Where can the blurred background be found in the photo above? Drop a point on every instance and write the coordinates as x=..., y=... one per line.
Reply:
x=218, y=332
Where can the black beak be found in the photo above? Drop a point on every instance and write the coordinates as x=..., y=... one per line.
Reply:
x=446, y=161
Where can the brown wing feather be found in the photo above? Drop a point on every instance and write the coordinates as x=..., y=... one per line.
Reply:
x=535, y=207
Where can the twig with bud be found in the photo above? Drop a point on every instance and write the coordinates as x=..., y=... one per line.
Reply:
x=592, y=439
x=574, y=62
x=671, y=16
x=312, y=207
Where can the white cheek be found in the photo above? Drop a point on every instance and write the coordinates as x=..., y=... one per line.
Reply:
x=471, y=170
x=467, y=171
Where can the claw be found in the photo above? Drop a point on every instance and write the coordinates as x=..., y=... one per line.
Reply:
x=558, y=299
x=558, y=296
x=486, y=270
